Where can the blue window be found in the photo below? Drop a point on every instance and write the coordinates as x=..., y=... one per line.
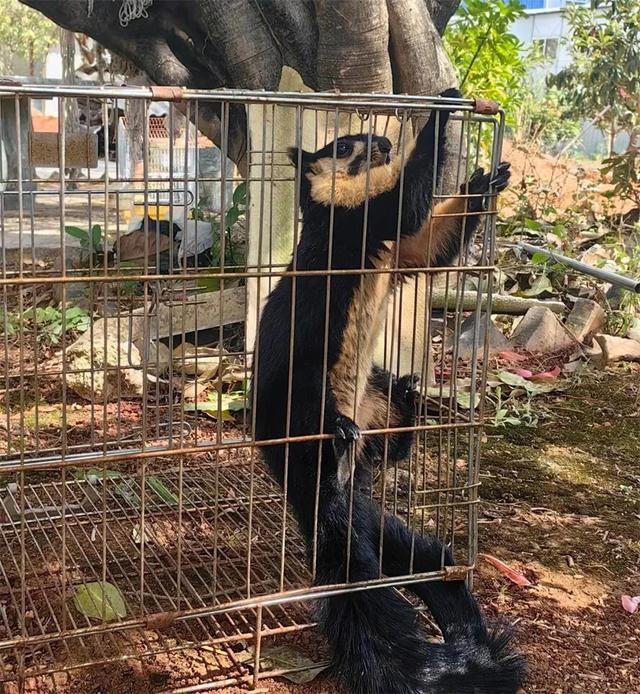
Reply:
x=533, y=4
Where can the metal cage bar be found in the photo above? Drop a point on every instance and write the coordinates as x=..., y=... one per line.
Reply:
x=130, y=293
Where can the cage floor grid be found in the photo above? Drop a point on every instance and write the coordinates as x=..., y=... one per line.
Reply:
x=231, y=540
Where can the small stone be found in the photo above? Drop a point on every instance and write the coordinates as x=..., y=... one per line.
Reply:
x=586, y=319
x=471, y=340
x=540, y=331
x=617, y=348
x=634, y=330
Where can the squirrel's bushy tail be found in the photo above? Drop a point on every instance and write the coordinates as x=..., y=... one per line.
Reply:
x=378, y=645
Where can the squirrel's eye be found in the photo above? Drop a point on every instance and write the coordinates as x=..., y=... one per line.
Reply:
x=342, y=149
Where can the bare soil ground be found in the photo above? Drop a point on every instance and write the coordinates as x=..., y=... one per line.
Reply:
x=561, y=504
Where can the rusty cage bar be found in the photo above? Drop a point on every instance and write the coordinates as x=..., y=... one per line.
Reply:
x=136, y=519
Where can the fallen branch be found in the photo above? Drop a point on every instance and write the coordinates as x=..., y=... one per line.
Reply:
x=500, y=303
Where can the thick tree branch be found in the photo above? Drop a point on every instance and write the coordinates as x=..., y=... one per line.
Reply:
x=247, y=49
x=421, y=65
x=170, y=46
x=353, y=40
x=205, y=44
x=441, y=12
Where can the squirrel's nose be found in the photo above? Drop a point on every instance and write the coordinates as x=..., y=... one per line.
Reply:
x=384, y=145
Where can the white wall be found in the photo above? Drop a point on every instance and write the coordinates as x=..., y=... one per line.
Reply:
x=544, y=24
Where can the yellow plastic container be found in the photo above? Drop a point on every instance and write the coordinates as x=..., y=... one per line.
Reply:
x=157, y=212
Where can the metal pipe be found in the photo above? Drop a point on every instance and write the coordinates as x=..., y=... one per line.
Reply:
x=613, y=278
x=321, y=99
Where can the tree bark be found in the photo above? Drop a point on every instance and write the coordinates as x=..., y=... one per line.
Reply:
x=441, y=12
x=353, y=39
x=421, y=66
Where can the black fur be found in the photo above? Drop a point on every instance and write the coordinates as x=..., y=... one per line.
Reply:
x=401, y=392
x=478, y=188
x=377, y=642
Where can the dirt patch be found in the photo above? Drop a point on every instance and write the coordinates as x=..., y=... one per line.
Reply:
x=563, y=504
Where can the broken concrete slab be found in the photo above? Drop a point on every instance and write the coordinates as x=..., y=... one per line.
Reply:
x=104, y=365
x=471, y=340
x=540, y=331
x=617, y=349
x=586, y=319
x=111, y=360
x=206, y=310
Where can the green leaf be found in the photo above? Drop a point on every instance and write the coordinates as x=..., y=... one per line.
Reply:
x=128, y=492
x=77, y=233
x=96, y=237
x=464, y=400
x=288, y=658
x=208, y=284
x=162, y=491
x=512, y=379
x=222, y=405
x=539, y=258
x=516, y=381
x=240, y=194
x=540, y=285
x=232, y=216
x=532, y=224
x=100, y=600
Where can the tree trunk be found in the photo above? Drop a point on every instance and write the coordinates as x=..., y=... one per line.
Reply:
x=15, y=129
x=353, y=39
x=206, y=44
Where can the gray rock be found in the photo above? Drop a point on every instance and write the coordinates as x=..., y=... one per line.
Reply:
x=107, y=367
x=634, y=330
x=617, y=349
x=586, y=319
x=471, y=343
x=540, y=331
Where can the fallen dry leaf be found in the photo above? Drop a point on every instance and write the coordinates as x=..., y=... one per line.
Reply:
x=546, y=375
x=513, y=575
x=630, y=604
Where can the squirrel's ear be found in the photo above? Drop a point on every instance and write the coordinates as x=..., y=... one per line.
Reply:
x=299, y=155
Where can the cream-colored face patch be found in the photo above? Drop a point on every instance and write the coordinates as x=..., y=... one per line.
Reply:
x=357, y=158
x=352, y=191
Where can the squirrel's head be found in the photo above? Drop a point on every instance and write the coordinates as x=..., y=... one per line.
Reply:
x=347, y=156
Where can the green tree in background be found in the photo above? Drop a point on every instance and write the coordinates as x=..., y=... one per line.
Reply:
x=489, y=59
x=604, y=75
x=604, y=80
x=24, y=34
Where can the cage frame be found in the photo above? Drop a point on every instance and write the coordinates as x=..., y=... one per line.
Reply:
x=66, y=460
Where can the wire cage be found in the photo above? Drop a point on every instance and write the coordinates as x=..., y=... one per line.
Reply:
x=139, y=531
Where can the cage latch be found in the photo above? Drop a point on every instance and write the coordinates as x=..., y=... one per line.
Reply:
x=166, y=93
x=456, y=573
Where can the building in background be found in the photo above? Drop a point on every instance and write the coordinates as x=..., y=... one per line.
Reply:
x=545, y=26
